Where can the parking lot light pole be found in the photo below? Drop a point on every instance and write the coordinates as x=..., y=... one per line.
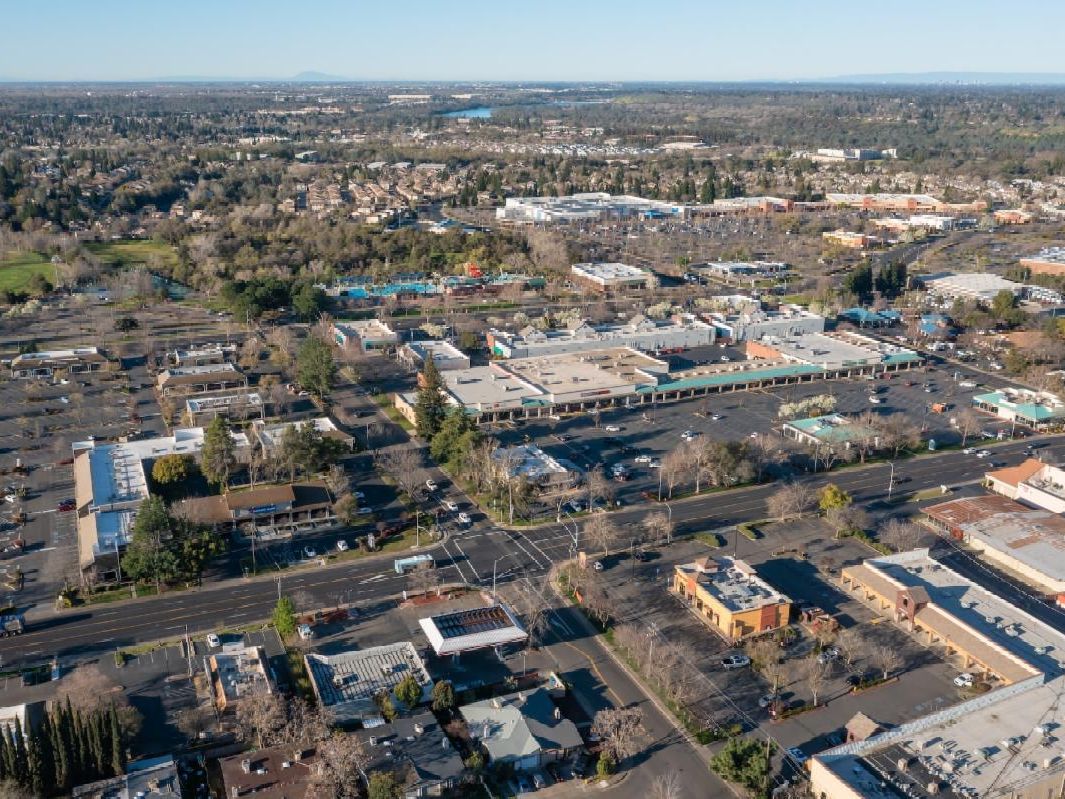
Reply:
x=891, y=479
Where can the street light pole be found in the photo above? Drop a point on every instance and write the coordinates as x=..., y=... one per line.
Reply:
x=891, y=479
x=494, y=562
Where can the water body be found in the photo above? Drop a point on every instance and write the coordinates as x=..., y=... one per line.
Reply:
x=481, y=112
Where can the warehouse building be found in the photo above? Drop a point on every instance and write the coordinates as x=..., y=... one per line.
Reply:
x=612, y=277
x=981, y=286
x=782, y=322
x=640, y=333
x=446, y=356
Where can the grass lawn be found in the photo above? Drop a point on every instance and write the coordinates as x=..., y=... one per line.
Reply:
x=16, y=269
x=134, y=253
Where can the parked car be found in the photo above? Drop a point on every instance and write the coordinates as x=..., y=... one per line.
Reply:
x=342, y=545
x=613, y=428
x=873, y=398
x=766, y=700
x=65, y=506
x=305, y=632
x=715, y=417
x=464, y=518
x=688, y=435
x=642, y=459
x=968, y=451
x=213, y=641
x=310, y=552
x=654, y=464
x=965, y=680
x=983, y=453
x=736, y=661
x=598, y=565
x=431, y=485
x=451, y=506
x=364, y=511
x=538, y=781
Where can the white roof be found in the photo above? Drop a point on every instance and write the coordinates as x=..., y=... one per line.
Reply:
x=609, y=271
x=976, y=284
x=270, y=434
x=477, y=628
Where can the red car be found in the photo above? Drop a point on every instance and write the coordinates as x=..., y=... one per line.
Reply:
x=65, y=506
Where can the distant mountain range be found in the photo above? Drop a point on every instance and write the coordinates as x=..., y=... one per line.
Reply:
x=962, y=78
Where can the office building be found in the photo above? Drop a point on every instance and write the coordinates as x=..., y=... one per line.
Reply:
x=613, y=277
x=730, y=597
x=639, y=333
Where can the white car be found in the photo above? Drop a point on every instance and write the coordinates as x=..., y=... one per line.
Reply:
x=310, y=552
x=735, y=662
x=968, y=451
x=431, y=485
x=964, y=680
x=305, y=632
x=364, y=511
x=875, y=399
x=716, y=417
x=654, y=464
x=213, y=641
x=613, y=428
x=984, y=453
x=342, y=545
x=464, y=518
x=451, y=506
x=725, y=359
x=642, y=459
x=688, y=435
x=598, y=565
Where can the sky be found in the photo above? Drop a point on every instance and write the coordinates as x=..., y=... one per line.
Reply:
x=525, y=40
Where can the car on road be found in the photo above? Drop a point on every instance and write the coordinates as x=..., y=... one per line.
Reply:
x=796, y=754
x=654, y=463
x=431, y=485
x=984, y=453
x=213, y=641
x=873, y=398
x=613, y=428
x=965, y=680
x=562, y=438
x=305, y=632
x=828, y=655
x=968, y=451
x=735, y=661
x=65, y=506
x=689, y=435
x=342, y=545
x=598, y=565
x=451, y=506
x=310, y=552
x=716, y=417
x=900, y=478
x=642, y=459
x=364, y=511
x=464, y=518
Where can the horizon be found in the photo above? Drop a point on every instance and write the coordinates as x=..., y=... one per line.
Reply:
x=118, y=41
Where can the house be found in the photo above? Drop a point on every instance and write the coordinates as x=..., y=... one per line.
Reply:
x=729, y=596
x=270, y=510
x=151, y=778
x=346, y=683
x=415, y=750
x=277, y=772
x=525, y=729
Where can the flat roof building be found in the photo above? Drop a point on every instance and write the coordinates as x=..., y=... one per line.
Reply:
x=730, y=597
x=477, y=628
x=446, y=356
x=1048, y=261
x=981, y=286
x=537, y=467
x=1027, y=541
x=269, y=435
x=613, y=276
x=1040, y=410
x=346, y=683
x=839, y=350
x=834, y=430
x=237, y=672
x=785, y=321
x=1037, y=483
x=181, y=380
x=364, y=335
x=238, y=406
x=201, y=356
x=585, y=207
x=49, y=363
x=885, y=201
x=639, y=333
x=150, y=778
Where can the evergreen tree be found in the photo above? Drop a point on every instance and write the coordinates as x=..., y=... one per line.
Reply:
x=87, y=772
x=430, y=408
x=118, y=749
x=59, y=748
x=315, y=367
x=47, y=769
x=21, y=773
x=218, y=455
x=101, y=760
x=34, y=766
x=7, y=764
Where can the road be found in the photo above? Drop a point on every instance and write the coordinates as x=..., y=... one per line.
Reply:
x=471, y=557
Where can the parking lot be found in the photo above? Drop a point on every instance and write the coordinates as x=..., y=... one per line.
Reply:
x=640, y=594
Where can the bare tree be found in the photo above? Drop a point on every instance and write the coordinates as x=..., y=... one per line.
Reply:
x=901, y=535
x=884, y=659
x=423, y=580
x=789, y=501
x=851, y=645
x=666, y=786
x=598, y=488
x=620, y=730
x=304, y=724
x=88, y=689
x=600, y=530
x=658, y=527
x=261, y=718
x=815, y=675
x=402, y=463
x=194, y=720
x=533, y=602
x=675, y=465
x=847, y=519
x=967, y=423
x=765, y=655
x=341, y=760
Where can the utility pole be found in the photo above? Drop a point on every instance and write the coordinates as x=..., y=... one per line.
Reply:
x=891, y=479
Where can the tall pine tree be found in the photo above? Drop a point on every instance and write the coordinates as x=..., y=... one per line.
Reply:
x=118, y=749
x=22, y=774
x=430, y=407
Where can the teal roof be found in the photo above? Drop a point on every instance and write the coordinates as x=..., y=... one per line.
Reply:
x=734, y=378
x=832, y=428
x=1029, y=410
x=901, y=357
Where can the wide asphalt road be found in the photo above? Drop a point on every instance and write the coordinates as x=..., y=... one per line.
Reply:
x=469, y=557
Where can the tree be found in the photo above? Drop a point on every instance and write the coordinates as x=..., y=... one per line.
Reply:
x=765, y=655
x=148, y=556
x=346, y=508
x=847, y=519
x=284, y=617
x=315, y=368
x=884, y=659
x=261, y=718
x=900, y=534
x=658, y=527
x=409, y=691
x=600, y=530
x=402, y=464
x=967, y=423
x=308, y=301
x=218, y=455
x=443, y=696
x=620, y=730
x=790, y=500
x=816, y=675
x=851, y=644
x=430, y=408
x=382, y=785
x=833, y=497
x=172, y=469
x=383, y=700
x=341, y=760
x=666, y=786
x=743, y=761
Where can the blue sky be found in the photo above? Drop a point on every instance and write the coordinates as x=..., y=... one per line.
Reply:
x=525, y=39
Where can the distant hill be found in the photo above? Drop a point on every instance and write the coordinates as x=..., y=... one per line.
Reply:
x=961, y=78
